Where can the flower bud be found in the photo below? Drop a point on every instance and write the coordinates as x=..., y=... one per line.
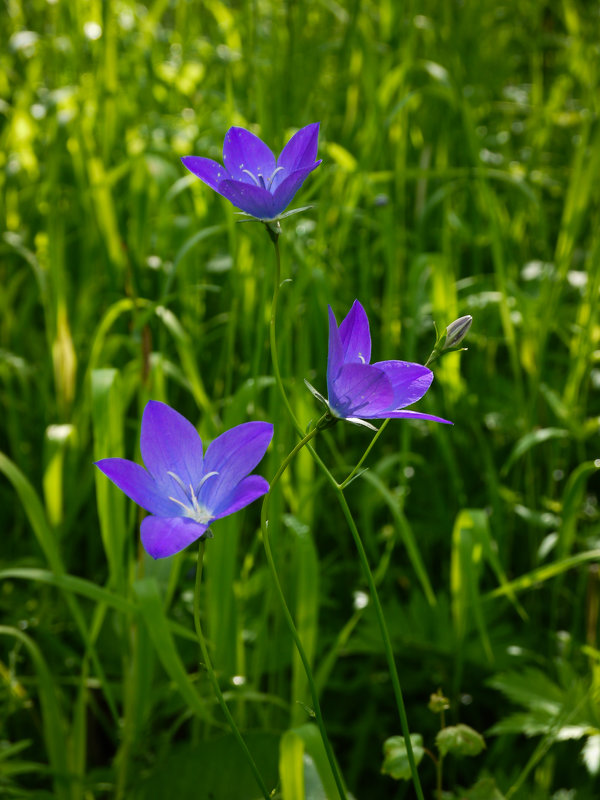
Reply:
x=438, y=703
x=456, y=331
x=448, y=341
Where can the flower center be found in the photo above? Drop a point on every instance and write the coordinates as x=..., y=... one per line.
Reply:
x=260, y=181
x=193, y=508
x=346, y=405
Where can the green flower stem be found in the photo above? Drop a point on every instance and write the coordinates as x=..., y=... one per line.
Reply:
x=345, y=482
x=279, y=381
x=213, y=677
x=440, y=760
x=274, y=352
x=389, y=653
x=273, y=336
x=339, y=488
x=264, y=523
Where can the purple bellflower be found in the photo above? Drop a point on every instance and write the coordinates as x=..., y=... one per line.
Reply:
x=184, y=490
x=252, y=179
x=358, y=390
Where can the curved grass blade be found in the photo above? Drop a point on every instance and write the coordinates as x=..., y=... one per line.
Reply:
x=35, y=514
x=295, y=772
x=54, y=727
x=542, y=574
x=108, y=423
x=152, y=611
x=91, y=591
x=530, y=440
x=406, y=534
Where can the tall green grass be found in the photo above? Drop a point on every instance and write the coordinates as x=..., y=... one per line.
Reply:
x=460, y=175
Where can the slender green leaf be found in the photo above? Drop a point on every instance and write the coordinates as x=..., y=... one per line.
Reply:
x=296, y=744
x=107, y=420
x=406, y=533
x=30, y=501
x=306, y=573
x=571, y=504
x=53, y=723
x=541, y=574
x=530, y=440
x=152, y=612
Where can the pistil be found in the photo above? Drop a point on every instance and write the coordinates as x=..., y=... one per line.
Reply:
x=196, y=511
x=260, y=181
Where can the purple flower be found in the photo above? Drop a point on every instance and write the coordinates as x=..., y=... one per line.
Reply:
x=252, y=179
x=183, y=490
x=358, y=390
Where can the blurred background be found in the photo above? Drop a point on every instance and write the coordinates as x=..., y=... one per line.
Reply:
x=461, y=163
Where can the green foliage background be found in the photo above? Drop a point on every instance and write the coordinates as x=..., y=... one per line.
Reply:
x=461, y=155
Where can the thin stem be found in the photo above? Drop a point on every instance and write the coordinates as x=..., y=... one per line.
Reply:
x=359, y=545
x=387, y=645
x=279, y=381
x=345, y=482
x=213, y=677
x=438, y=773
x=264, y=522
x=273, y=336
x=441, y=759
x=275, y=356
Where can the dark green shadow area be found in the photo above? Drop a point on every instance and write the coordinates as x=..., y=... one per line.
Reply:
x=213, y=770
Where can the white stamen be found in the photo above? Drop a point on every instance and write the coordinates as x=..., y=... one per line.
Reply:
x=204, y=479
x=260, y=181
x=277, y=169
x=193, y=509
x=179, y=503
x=247, y=171
x=179, y=481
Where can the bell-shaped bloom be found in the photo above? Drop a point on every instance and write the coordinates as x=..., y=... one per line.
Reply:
x=358, y=390
x=183, y=489
x=252, y=179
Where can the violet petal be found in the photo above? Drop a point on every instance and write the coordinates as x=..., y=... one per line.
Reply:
x=246, y=491
x=355, y=336
x=170, y=443
x=406, y=415
x=289, y=185
x=409, y=381
x=233, y=455
x=209, y=171
x=301, y=150
x=165, y=536
x=335, y=354
x=360, y=390
x=254, y=200
x=137, y=484
x=243, y=150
